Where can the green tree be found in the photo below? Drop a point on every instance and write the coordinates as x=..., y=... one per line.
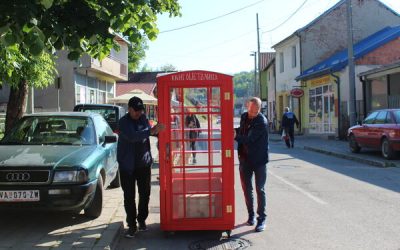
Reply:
x=26, y=71
x=136, y=53
x=243, y=83
x=79, y=26
x=168, y=68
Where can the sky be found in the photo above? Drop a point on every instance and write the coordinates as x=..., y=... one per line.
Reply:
x=224, y=44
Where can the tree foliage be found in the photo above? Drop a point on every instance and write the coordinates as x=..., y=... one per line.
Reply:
x=32, y=30
x=243, y=84
x=167, y=68
x=135, y=54
x=38, y=71
x=79, y=26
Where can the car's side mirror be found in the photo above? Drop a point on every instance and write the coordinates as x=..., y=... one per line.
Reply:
x=359, y=122
x=110, y=139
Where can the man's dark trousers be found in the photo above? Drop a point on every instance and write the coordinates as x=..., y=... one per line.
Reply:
x=290, y=132
x=141, y=175
x=246, y=176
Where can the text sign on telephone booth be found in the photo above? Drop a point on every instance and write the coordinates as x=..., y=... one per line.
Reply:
x=196, y=151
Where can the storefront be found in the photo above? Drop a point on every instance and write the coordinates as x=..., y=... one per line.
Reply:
x=321, y=115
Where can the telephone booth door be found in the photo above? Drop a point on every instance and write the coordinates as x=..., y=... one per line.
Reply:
x=196, y=151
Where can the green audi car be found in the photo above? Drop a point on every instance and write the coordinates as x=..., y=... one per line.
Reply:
x=58, y=161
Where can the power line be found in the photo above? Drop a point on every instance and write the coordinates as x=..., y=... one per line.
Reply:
x=212, y=19
x=222, y=43
x=287, y=19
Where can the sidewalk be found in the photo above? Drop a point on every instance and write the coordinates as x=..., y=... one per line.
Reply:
x=339, y=148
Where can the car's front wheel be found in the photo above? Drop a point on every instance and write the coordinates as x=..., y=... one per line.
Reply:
x=354, y=147
x=387, y=151
x=96, y=205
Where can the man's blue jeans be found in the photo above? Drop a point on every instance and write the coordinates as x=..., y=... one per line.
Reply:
x=246, y=177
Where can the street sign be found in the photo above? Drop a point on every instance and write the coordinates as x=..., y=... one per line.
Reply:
x=297, y=93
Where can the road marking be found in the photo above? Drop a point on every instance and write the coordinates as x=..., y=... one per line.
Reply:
x=316, y=199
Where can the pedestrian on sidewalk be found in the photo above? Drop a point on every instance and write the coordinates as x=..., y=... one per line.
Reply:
x=135, y=160
x=252, y=138
x=288, y=121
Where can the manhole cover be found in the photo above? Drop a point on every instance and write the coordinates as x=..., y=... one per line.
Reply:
x=225, y=244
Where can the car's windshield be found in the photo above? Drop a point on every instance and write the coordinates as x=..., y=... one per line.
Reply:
x=52, y=130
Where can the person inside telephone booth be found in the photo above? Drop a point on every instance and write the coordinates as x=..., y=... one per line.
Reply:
x=193, y=124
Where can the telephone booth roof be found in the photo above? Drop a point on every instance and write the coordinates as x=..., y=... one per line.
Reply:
x=194, y=75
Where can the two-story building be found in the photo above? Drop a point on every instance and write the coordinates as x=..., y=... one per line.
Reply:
x=87, y=80
x=328, y=103
x=320, y=39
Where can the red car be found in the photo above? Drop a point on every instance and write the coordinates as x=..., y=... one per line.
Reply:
x=380, y=130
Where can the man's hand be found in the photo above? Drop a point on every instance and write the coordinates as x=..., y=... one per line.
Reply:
x=157, y=129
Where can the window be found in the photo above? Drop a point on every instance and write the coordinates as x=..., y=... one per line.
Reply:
x=370, y=119
x=281, y=62
x=389, y=119
x=102, y=128
x=294, y=57
x=380, y=118
x=77, y=94
x=397, y=115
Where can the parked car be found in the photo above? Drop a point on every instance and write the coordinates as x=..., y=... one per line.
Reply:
x=111, y=113
x=58, y=161
x=380, y=130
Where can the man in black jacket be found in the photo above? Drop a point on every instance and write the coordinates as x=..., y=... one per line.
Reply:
x=135, y=159
x=252, y=138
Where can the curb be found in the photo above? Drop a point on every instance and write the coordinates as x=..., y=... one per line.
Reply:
x=381, y=164
x=114, y=241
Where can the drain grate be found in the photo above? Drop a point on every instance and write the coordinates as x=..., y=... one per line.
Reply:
x=225, y=244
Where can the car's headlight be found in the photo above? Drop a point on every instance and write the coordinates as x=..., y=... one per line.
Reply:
x=74, y=176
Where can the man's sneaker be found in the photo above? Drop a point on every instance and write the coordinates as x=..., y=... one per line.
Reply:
x=142, y=226
x=194, y=161
x=260, y=226
x=130, y=233
x=251, y=221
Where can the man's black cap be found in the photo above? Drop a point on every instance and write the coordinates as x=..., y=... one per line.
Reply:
x=136, y=103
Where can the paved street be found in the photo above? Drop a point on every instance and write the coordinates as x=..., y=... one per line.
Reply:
x=315, y=201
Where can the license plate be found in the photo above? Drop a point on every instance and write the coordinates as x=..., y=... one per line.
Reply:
x=19, y=195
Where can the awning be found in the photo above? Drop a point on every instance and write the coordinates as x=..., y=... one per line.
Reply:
x=339, y=60
x=147, y=99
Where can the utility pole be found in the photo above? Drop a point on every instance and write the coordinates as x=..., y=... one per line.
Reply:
x=259, y=61
x=255, y=72
x=350, y=55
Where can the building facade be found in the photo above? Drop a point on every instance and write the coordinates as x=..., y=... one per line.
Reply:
x=327, y=84
x=87, y=80
x=314, y=43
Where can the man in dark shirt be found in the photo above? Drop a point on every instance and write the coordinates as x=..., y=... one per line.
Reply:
x=193, y=124
x=135, y=160
x=288, y=121
x=252, y=138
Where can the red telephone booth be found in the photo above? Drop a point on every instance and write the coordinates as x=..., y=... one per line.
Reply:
x=196, y=151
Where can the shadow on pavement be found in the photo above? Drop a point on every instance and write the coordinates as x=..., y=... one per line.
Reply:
x=25, y=230
x=376, y=176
